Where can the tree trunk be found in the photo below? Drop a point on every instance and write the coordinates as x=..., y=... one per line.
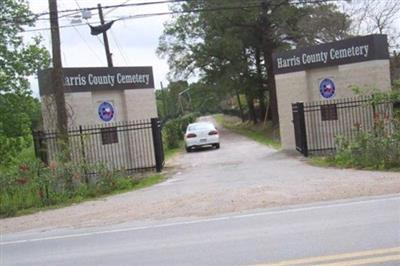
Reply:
x=268, y=44
x=250, y=104
x=250, y=101
x=261, y=89
x=273, y=103
x=240, y=104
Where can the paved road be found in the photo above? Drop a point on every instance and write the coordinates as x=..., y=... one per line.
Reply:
x=338, y=233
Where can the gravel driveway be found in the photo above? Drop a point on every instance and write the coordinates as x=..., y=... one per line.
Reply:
x=241, y=175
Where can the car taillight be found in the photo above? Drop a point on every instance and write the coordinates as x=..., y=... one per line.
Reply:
x=213, y=132
x=191, y=135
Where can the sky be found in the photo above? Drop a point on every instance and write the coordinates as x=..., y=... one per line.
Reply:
x=133, y=42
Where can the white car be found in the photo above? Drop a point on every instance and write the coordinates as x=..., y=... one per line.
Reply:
x=201, y=134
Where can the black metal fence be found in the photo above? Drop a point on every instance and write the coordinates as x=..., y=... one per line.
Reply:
x=318, y=124
x=129, y=146
x=300, y=128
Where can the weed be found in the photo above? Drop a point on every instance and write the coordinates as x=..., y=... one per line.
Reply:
x=33, y=185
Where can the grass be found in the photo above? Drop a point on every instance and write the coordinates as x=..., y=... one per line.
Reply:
x=140, y=184
x=27, y=154
x=322, y=161
x=169, y=153
x=329, y=161
x=263, y=134
x=148, y=181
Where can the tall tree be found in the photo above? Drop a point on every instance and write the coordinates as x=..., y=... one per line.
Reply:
x=375, y=16
x=234, y=40
x=18, y=60
x=211, y=44
x=322, y=24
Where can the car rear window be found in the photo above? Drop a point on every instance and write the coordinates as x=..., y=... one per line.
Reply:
x=200, y=127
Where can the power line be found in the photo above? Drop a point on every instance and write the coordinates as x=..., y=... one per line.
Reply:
x=87, y=44
x=84, y=40
x=116, y=6
x=221, y=8
x=76, y=2
x=100, y=41
x=163, y=14
x=87, y=23
x=75, y=11
x=119, y=48
x=109, y=11
x=97, y=56
x=115, y=39
x=190, y=11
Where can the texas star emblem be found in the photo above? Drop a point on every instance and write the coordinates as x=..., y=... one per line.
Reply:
x=106, y=111
x=327, y=88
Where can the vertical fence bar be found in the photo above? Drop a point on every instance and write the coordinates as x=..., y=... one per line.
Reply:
x=303, y=129
x=149, y=141
x=40, y=148
x=133, y=140
x=148, y=153
x=83, y=154
x=333, y=125
x=141, y=141
x=318, y=125
x=295, y=113
x=125, y=147
x=36, y=146
x=115, y=147
x=324, y=128
x=158, y=149
x=311, y=126
x=82, y=144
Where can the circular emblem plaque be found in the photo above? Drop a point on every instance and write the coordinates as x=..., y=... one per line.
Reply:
x=327, y=88
x=106, y=111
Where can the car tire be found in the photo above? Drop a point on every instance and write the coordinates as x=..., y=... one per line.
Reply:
x=217, y=146
x=188, y=149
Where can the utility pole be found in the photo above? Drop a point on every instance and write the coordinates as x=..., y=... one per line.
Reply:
x=57, y=77
x=180, y=98
x=105, y=38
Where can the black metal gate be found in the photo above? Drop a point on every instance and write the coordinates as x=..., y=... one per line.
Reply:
x=129, y=146
x=300, y=128
x=319, y=125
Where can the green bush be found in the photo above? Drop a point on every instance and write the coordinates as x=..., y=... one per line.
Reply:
x=187, y=119
x=34, y=185
x=367, y=150
x=174, y=129
x=378, y=148
x=373, y=150
x=21, y=188
x=172, y=134
x=124, y=183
